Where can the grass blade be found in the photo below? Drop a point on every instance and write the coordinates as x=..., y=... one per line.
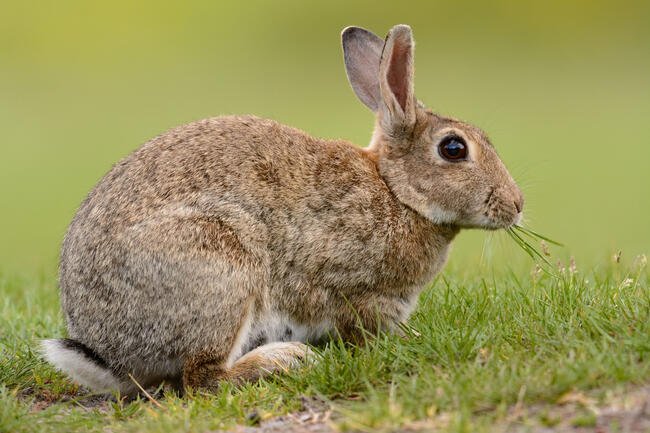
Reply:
x=531, y=248
x=534, y=234
x=522, y=246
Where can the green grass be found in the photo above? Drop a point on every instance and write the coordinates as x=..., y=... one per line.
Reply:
x=483, y=347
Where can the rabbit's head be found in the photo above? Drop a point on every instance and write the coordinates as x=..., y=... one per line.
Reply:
x=443, y=168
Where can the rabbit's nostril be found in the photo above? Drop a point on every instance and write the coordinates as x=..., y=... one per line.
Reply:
x=519, y=205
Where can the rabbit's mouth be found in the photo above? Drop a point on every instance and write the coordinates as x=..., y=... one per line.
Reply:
x=496, y=212
x=496, y=225
x=503, y=209
x=485, y=222
x=500, y=209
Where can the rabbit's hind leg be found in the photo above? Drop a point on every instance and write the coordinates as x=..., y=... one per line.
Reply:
x=203, y=373
x=268, y=359
x=206, y=368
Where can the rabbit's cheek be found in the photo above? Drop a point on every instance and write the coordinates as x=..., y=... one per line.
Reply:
x=439, y=215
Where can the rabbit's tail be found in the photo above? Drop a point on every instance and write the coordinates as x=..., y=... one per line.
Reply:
x=81, y=363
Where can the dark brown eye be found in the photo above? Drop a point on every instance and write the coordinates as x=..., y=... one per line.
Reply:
x=453, y=148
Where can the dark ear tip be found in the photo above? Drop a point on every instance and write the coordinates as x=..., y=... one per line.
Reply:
x=346, y=33
x=350, y=32
x=359, y=33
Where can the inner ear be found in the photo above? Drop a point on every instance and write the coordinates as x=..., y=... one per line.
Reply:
x=398, y=79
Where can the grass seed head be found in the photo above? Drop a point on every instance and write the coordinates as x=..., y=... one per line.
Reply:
x=627, y=283
x=544, y=247
x=572, y=266
x=640, y=262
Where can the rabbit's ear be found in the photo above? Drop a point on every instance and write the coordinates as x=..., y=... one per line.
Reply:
x=396, y=78
x=362, y=54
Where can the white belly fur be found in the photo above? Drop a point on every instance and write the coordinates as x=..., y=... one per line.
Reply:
x=275, y=327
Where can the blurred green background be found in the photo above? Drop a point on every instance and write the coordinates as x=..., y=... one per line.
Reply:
x=562, y=88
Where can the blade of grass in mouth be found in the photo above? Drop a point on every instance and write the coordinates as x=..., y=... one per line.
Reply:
x=531, y=248
x=523, y=247
x=516, y=232
x=534, y=234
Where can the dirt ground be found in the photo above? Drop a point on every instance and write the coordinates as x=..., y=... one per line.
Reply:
x=627, y=412
x=575, y=412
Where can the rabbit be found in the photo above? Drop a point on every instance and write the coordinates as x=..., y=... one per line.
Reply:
x=221, y=249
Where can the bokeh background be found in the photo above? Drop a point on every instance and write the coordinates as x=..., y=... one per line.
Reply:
x=561, y=87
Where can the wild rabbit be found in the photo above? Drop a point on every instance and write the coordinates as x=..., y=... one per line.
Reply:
x=216, y=250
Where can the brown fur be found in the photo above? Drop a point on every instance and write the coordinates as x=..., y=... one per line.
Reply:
x=206, y=232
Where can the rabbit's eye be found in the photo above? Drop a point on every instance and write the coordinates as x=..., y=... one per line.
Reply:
x=453, y=148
